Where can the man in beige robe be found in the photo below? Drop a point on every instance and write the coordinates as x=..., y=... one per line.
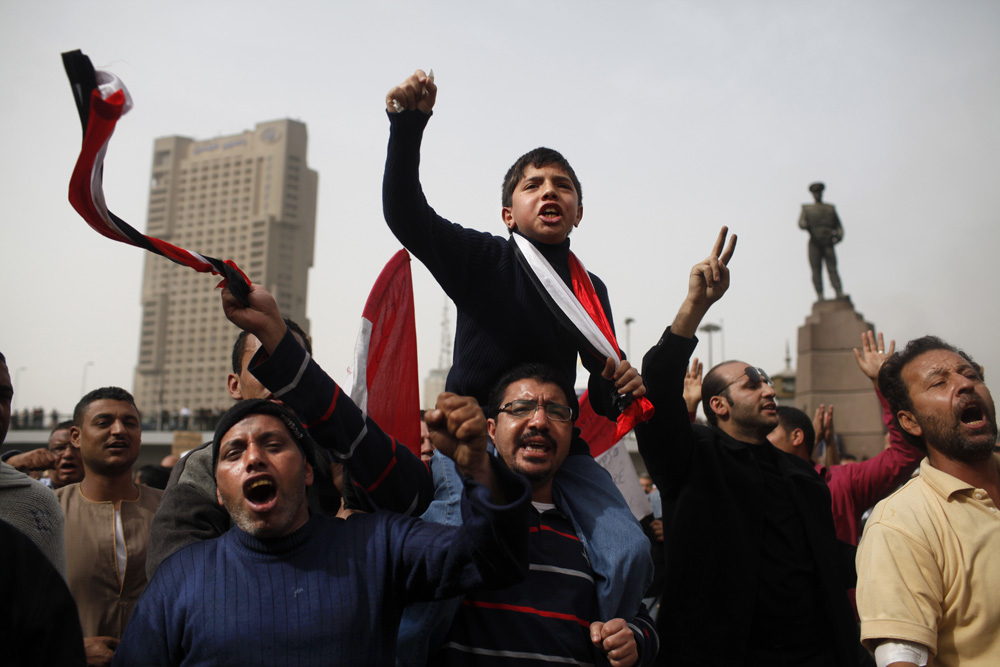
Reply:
x=107, y=519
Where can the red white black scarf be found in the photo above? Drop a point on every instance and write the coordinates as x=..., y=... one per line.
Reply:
x=581, y=312
x=101, y=99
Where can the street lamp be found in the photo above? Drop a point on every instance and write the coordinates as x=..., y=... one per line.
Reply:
x=83, y=381
x=628, y=335
x=17, y=383
x=711, y=330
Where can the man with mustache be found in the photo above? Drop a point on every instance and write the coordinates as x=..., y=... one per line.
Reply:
x=553, y=615
x=755, y=574
x=68, y=467
x=929, y=559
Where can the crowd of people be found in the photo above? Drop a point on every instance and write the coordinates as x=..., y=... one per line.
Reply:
x=304, y=534
x=184, y=419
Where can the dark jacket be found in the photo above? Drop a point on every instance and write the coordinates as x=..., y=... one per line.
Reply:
x=711, y=489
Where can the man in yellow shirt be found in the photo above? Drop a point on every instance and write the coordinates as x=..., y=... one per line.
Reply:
x=929, y=560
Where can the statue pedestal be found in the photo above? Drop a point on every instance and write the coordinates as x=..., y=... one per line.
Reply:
x=829, y=374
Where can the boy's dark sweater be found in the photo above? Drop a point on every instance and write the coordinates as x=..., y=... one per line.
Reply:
x=502, y=320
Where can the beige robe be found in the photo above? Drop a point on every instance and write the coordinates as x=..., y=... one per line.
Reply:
x=104, y=601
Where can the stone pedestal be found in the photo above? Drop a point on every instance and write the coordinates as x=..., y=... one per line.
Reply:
x=828, y=374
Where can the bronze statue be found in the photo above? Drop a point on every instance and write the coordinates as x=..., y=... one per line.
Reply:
x=824, y=232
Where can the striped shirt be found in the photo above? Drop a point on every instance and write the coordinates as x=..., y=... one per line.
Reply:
x=544, y=619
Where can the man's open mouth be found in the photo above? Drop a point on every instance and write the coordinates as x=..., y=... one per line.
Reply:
x=260, y=491
x=973, y=415
x=537, y=444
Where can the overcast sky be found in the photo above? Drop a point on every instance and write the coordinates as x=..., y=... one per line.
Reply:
x=678, y=117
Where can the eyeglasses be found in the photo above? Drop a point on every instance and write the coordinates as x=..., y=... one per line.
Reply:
x=525, y=409
x=756, y=376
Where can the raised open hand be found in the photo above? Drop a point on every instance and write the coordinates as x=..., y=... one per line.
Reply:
x=872, y=355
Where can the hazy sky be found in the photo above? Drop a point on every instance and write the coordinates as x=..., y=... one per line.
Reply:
x=678, y=117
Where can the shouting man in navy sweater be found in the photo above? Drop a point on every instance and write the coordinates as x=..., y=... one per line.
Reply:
x=305, y=589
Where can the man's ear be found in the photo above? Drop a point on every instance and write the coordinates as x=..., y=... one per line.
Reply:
x=797, y=438
x=579, y=216
x=507, y=214
x=233, y=384
x=719, y=405
x=218, y=496
x=491, y=428
x=74, y=436
x=908, y=422
x=309, y=475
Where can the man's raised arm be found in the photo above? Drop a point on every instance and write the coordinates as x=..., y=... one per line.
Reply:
x=392, y=476
x=665, y=440
x=875, y=478
x=708, y=281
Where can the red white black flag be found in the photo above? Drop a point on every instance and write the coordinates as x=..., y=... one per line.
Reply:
x=101, y=99
x=384, y=382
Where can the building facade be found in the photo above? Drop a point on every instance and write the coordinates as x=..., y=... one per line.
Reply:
x=248, y=197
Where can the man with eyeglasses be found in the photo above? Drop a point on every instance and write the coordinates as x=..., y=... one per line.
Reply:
x=755, y=574
x=552, y=616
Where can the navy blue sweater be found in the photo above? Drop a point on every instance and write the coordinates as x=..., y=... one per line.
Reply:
x=330, y=593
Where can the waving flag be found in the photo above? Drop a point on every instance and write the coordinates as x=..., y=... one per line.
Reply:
x=101, y=99
x=384, y=381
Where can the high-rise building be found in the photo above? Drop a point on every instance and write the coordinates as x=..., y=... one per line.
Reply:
x=248, y=197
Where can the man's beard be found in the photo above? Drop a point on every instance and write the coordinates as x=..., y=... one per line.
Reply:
x=277, y=522
x=953, y=443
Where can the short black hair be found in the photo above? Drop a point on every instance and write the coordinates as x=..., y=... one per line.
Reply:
x=537, y=158
x=110, y=393
x=535, y=371
x=714, y=385
x=792, y=418
x=894, y=389
x=240, y=346
x=61, y=426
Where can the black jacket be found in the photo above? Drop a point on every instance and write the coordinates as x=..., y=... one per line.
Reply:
x=711, y=489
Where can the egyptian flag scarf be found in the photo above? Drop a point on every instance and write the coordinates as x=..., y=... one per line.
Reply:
x=581, y=312
x=101, y=99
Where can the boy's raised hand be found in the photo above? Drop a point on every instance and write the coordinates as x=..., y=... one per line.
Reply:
x=261, y=318
x=418, y=91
